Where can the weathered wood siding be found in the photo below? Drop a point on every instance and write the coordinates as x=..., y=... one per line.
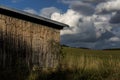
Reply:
x=31, y=44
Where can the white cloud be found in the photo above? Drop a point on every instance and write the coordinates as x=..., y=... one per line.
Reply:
x=86, y=31
x=70, y=17
x=114, y=39
x=82, y=24
x=29, y=10
x=94, y=30
x=15, y=1
x=47, y=12
x=110, y=5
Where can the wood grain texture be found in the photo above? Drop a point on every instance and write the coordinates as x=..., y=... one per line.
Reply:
x=27, y=43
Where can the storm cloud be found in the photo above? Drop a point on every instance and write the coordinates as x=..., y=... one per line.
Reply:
x=115, y=18
x=83, y=8
x=92, y=24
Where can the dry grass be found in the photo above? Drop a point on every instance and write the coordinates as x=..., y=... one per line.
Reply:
x=76, y=64
x=93, y=64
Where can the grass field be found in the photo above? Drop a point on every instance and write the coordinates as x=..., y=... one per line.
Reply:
x=76, y=64
x=88, y=64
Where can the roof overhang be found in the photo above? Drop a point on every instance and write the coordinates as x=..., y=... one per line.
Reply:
x=31, y=17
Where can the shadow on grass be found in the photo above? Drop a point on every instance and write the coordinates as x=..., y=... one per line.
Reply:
x=73, y=75
x=57, y=75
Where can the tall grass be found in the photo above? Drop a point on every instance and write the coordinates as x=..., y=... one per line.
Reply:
x=92, y=64
x=76, y=64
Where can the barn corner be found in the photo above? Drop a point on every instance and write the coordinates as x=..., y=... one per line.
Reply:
x=28, y=40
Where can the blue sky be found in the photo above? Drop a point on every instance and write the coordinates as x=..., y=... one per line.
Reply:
x=92, y=23
x=34, y=4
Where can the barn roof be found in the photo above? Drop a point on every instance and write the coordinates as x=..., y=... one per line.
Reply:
x=31, y=17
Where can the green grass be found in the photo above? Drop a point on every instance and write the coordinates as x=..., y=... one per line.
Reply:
x=76, y=64
x=92, y=64
x=85, y=64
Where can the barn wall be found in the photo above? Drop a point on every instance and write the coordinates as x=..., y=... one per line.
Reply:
x=31, y=44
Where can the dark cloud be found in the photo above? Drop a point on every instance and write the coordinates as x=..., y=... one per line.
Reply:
x=88, y=1
x=94, y=2
x=83, y=8
x=106, y=36
x=80, y=6
x=97, y=27
x=116, y=18
x=105, y=41
x=93, y=31
x=116, y=30
x=106, y=44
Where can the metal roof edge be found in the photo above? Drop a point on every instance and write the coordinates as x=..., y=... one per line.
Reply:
x=19, y=12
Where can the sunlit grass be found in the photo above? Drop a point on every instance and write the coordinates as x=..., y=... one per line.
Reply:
x=75, y=64
x=99, y=64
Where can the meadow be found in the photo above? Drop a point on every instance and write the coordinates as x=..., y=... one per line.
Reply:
x=86, y=64
x=75, y=64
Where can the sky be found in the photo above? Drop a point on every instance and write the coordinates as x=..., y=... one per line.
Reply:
x=92, y=24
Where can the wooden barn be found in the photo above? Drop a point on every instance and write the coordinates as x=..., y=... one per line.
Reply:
x=29, y=40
